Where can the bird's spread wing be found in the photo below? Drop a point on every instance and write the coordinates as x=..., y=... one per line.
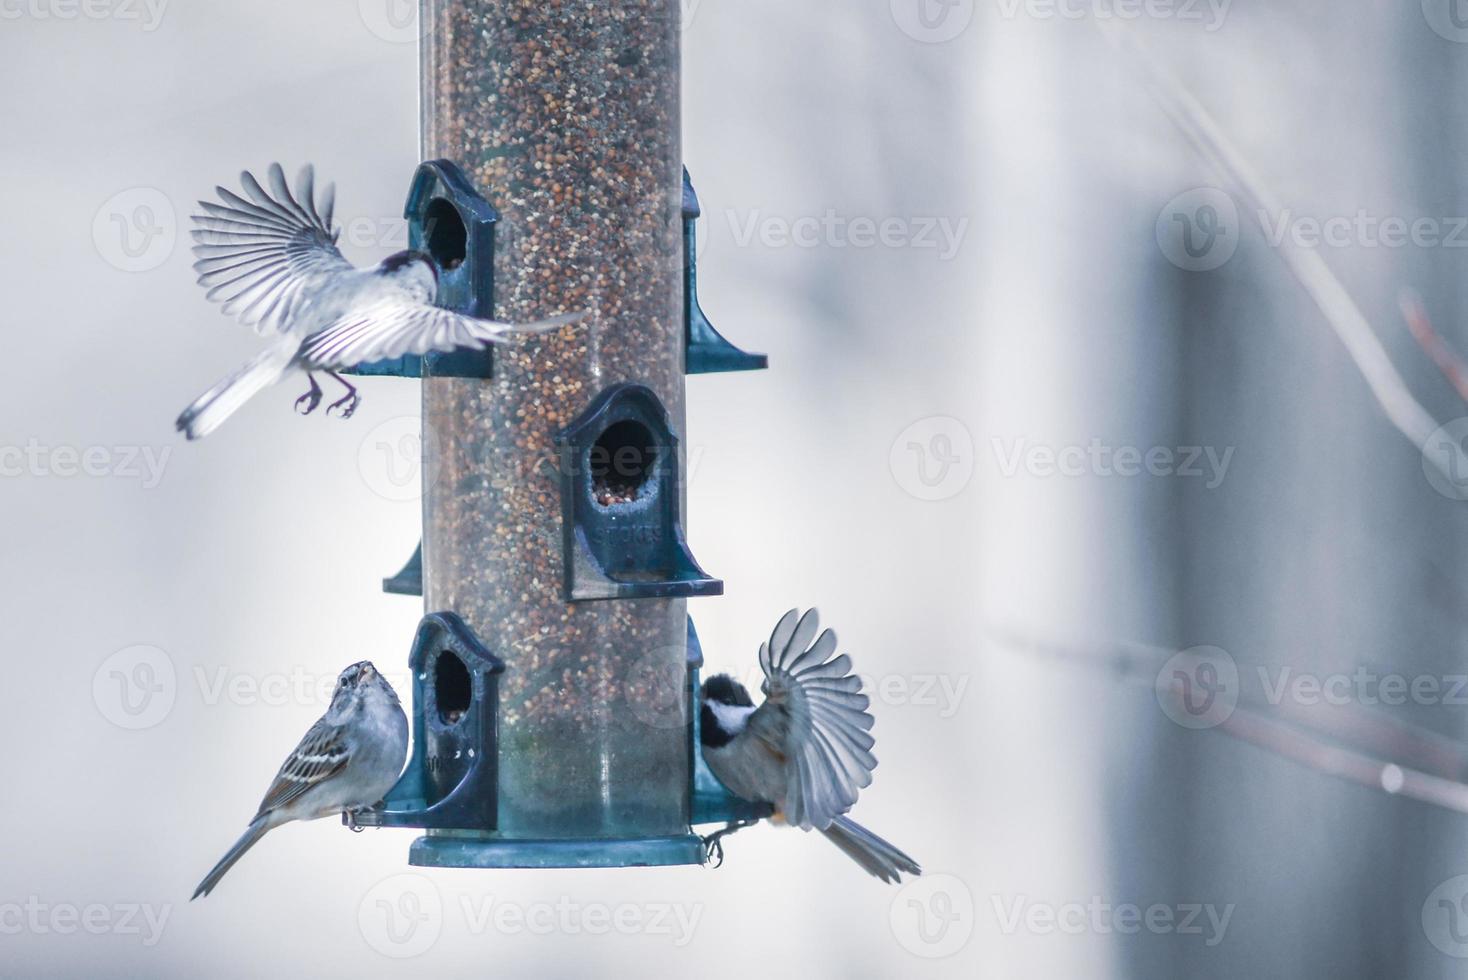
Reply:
x=815, y=716
x=394, y=328
x=321, y=755
x=264, y=257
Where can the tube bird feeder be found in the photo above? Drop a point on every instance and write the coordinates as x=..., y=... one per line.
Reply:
x=555, y=670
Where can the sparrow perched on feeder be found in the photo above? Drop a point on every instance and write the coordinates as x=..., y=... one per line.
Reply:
x=346, y=763
x=806, y=750
x=272, y=261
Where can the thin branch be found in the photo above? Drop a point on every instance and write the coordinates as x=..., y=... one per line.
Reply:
x=1379, y=752
x=1340, y=310
x=1447, y=360
x=1343, y=763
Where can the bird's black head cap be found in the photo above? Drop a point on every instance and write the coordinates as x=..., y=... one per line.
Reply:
x=726, y=690
x=720, y=689
x=400, y=260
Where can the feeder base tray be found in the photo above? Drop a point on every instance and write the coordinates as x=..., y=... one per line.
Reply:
x=443, y=851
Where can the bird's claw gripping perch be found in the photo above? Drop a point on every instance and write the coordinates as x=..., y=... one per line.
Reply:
x=713, y=844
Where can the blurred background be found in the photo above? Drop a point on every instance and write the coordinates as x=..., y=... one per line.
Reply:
x=1042, y=387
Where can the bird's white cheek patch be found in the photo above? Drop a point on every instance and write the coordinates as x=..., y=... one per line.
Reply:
x=732, y=718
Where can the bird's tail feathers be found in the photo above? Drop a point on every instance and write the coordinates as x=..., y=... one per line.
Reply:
x=211, y=408
x=876, y=856
x=251, y=836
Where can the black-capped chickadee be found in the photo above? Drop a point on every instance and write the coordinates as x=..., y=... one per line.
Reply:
x=807, y=749
x=346, y=763
x=272, y=261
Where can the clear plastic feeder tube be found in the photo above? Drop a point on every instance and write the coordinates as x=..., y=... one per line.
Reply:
x=565, y=115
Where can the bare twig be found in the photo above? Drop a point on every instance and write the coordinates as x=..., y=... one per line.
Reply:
x=1447, y=360
x=1349, y=741
x=1344, y=763
x=1340, y=310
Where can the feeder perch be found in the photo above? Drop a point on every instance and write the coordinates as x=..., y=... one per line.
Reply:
x=705, y=349
x=408, y=580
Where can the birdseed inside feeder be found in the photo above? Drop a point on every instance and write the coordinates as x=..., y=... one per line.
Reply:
x=554, y=671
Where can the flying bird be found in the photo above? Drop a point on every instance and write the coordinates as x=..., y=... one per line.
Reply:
x=806, y=750
x=270, y=258
x=346, y=763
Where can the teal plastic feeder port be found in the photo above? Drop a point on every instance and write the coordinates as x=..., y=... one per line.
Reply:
x=450, y=782
x=455, y=226
x=621, y=499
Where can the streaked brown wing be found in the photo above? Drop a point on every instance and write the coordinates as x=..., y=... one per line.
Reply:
x=321, y=755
